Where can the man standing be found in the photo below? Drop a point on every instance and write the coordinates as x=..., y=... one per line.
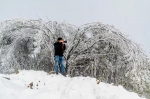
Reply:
x=59, y=47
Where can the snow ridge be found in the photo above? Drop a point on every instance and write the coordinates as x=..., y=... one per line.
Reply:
x=58, y=87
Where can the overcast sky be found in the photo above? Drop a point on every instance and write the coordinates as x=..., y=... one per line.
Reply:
x=131, y=17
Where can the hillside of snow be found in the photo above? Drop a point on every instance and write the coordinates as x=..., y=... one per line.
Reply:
x=16, y=86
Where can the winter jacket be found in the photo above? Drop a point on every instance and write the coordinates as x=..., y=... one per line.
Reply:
x=59, y=48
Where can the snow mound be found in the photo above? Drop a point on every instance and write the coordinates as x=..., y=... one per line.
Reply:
x=16, y=86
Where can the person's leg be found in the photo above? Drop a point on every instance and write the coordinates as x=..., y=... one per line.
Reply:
x=61, y=58
x=56, y=64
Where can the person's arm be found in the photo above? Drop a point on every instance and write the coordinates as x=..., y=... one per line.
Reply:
x=63, y=44
x=64, y=47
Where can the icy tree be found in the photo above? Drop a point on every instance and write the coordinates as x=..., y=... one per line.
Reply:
x=25, y=44
x=94, y=49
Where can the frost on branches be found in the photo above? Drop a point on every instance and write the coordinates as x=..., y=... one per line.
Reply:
x=94, y=49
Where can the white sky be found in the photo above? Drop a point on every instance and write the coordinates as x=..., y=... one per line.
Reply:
x=132, y=17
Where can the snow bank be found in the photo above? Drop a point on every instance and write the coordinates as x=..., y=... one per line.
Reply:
x=58, y=87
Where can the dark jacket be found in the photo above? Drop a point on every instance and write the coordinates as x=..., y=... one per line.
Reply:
x=59, y=48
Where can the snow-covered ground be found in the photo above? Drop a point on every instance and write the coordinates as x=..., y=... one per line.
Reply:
x=58, y=87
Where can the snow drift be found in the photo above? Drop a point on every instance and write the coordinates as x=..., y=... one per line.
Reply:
x=58, y=87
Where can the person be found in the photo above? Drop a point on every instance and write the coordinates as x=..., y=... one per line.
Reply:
x=59, y=47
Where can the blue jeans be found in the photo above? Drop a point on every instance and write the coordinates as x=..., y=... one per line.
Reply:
x=59, y=60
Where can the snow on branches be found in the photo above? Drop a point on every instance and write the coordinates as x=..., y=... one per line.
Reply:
x=94, y=49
